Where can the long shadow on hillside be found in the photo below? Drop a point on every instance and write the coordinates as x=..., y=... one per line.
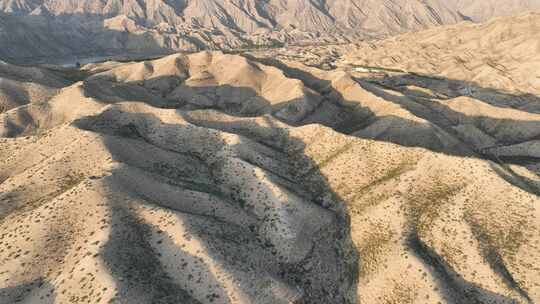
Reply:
x=353, y=119
x=313, y=188
x=275, y=138
x=331, y=248
x=456, y=287
x=18, y=98
x=446, y=118
x=350, y=117
x=327, y=106
x=446, y=88
x=328, y=272
x=135, y=265
x=69, y=38
x=22, y=292
x=449, y=88
x=169, y=92
x=172, y=92
x=440, y=114
x=333, y=110
x=463, y=291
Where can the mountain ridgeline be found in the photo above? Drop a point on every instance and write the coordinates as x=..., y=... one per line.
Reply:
x=401, y=170
x=48, y=30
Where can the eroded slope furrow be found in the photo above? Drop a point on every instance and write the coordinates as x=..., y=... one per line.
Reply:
x=182, y=180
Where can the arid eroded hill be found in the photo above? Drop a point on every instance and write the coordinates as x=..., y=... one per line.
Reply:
x=254, y=178
x=62, y=31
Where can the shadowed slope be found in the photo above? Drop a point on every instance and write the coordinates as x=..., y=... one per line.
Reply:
x=132, y=183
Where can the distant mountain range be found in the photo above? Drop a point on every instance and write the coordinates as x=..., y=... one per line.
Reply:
x=36, y=29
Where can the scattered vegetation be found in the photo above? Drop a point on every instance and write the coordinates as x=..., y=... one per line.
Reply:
x=425, y=203
x=372, y=248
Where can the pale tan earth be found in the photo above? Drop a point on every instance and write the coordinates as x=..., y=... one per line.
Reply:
x=486, y=9
x=503, y=53
x=22, y=85
x=255, y=178
x=60, y=31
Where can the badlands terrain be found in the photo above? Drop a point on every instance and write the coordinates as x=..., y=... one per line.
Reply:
x=62, y=31
x=403, y=170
